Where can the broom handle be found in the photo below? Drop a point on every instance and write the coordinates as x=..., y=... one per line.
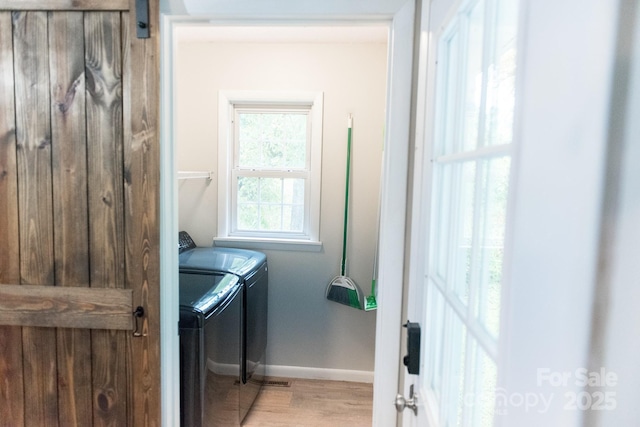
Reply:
x=346, y=199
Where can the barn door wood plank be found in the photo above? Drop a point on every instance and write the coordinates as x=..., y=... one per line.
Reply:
x=64, y=5
x=33, y=132
x=126, y=133
x=103, y=58
x=11, y=386
x=68, y=131
x=142, y=178
x=66, y=307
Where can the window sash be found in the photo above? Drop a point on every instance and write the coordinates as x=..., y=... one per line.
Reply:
x=229, y=102
x=235, y=229
x=266, y=109
x=262, y=172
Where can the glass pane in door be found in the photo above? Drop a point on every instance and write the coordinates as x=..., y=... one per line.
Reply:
x=473, y=75
x=486, y=374
x=501, y=74
x=456, y=374
x=495, y=186
x=447, y=93
x=463, y=226
x=435, y=345
x=471, y=165
x=442, y=214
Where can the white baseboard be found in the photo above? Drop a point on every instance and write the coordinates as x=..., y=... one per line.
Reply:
x=319, y=373
x=299, y=372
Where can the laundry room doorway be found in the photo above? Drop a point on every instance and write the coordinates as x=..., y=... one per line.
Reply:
x=339, y=340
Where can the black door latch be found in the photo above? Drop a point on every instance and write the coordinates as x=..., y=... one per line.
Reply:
x=412, y=359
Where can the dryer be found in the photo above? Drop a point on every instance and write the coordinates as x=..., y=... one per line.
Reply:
x=250, y=267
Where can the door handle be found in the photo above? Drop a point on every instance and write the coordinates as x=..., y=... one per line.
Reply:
x=411, y=403
x=138, y=314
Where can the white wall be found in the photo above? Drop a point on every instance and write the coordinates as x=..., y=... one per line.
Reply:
x=304, y=328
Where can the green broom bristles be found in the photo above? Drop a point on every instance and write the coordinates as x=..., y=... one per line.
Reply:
x=370, y=302
x=344, y=291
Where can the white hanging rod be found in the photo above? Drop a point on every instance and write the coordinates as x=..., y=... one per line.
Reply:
x=195, y=175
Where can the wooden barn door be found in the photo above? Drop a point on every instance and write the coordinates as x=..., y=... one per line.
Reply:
x=79, y=220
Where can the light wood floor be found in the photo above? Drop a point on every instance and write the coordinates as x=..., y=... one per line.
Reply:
x=312, y=403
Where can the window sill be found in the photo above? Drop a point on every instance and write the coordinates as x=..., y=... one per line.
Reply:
x=268, y=244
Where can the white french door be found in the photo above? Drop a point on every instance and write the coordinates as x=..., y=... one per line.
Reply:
x=457, y=257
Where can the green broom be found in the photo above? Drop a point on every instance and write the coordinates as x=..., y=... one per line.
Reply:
x=370, y=302
x=342, y=289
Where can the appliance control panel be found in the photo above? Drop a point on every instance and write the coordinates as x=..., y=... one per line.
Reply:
x=185, y=242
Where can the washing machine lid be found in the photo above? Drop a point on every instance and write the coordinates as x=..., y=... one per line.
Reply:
x=201, y=293
x=242, y=262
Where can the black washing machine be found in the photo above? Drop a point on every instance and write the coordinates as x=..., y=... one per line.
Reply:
x=210, y=348
x=250, y=267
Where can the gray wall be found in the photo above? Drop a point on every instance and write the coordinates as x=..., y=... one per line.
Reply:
x=305, y=329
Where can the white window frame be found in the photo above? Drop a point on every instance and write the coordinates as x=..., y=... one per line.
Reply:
x=228, y=235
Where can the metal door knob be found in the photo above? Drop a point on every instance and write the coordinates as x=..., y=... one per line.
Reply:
x=402, y=403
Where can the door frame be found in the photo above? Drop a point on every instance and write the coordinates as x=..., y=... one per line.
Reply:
x=400, y=16
x=417, y=226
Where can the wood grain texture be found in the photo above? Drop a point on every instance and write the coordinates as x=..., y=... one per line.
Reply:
x=65, y=307
x=103, y=59
x=126, y=129
x=142, y=217
x=11, y=386
x=33, y=135
x=79, y=191
x=313, y=403
x=69, y=163
x=9, y=265
x=64, y=5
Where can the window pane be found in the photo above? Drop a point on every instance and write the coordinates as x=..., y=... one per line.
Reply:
x=485, y=395
x=271, y=217
x=447, y=92
x=442, y=217
x=434, y=346
x=293, y=191
x=464, y=229
x=270, y=190
x=275, y=140
x=501, y=75
x=473, y=77
x=293, y=217
x=248, y=216
x=493, y=222
x=458, y=336
x=270, y=204
x=293, y=204
x=248, y=190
